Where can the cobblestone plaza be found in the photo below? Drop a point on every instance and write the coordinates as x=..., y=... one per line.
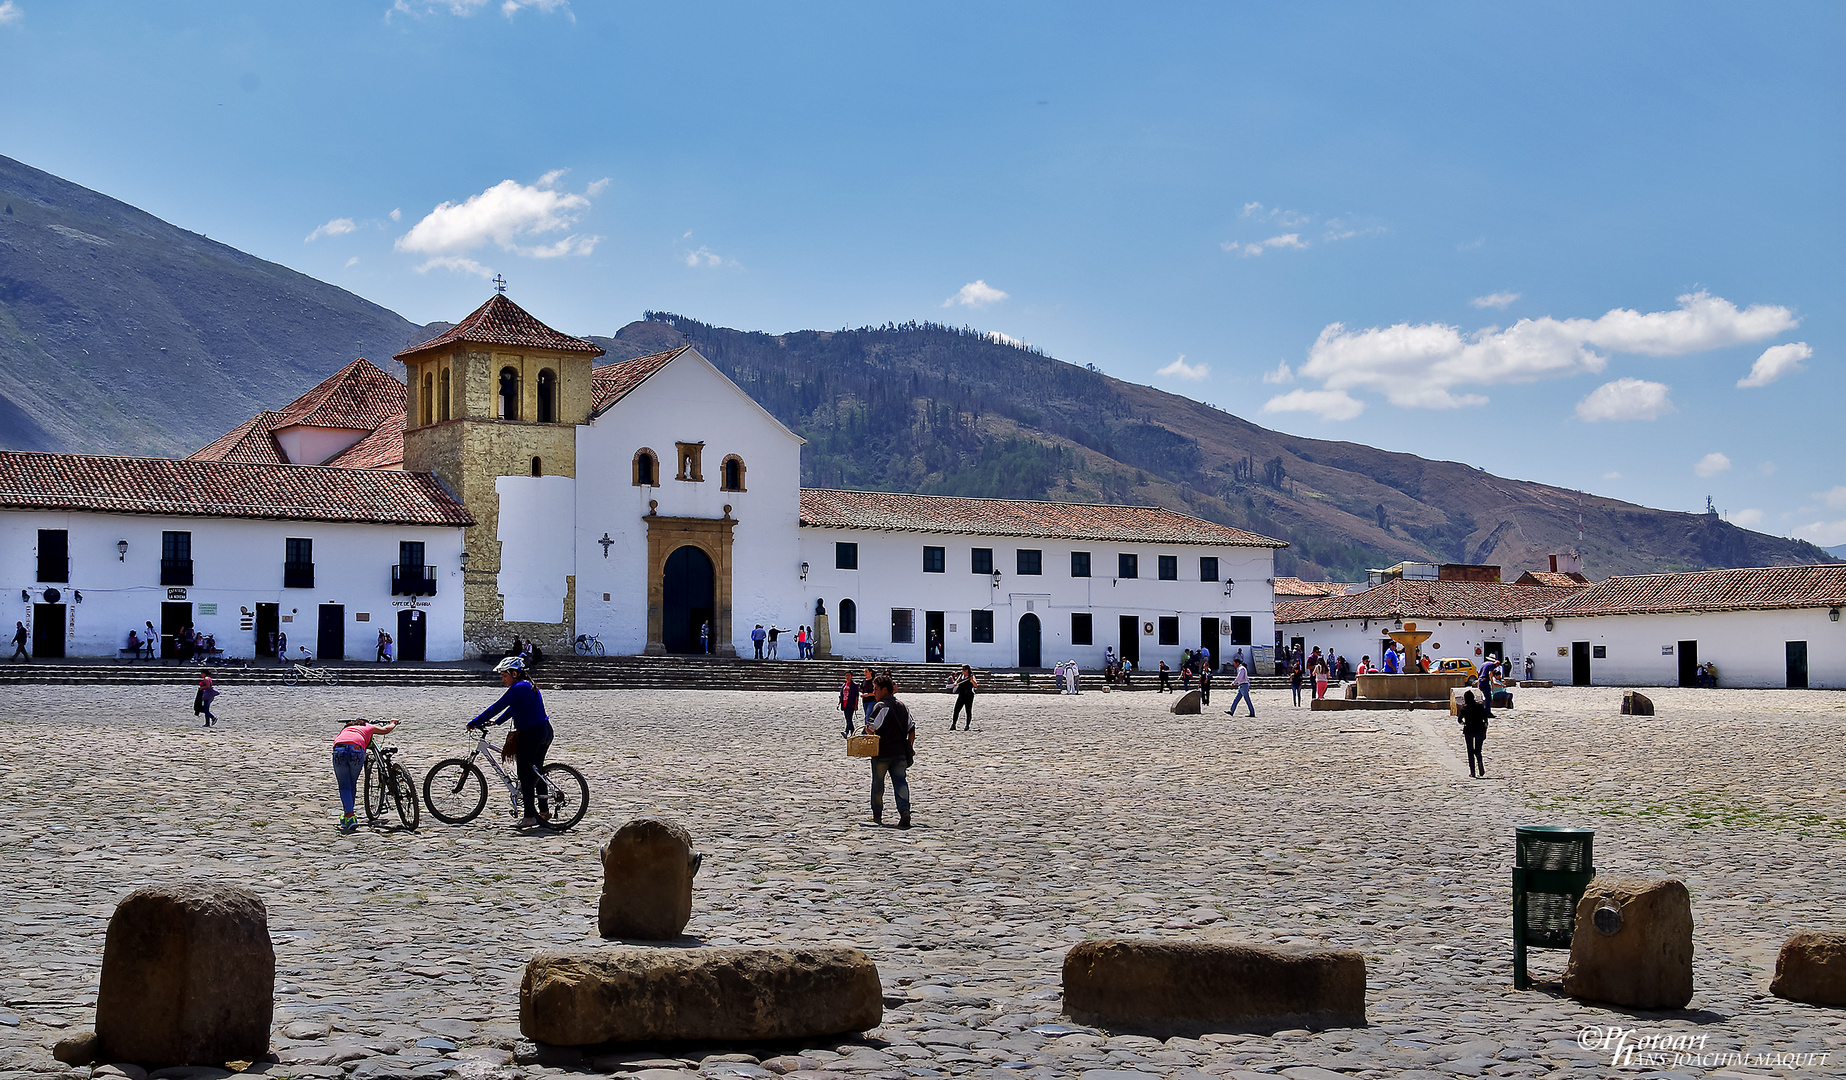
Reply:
x=1057, y=818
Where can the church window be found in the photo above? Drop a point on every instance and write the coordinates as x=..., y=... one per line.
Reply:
x=443, y=395
x=547, y=396
x=733, y=474
x=509, y=394
x=538, y=467
x=647, y=469
x=429, y=399
x=688, y=457
x=849, y=617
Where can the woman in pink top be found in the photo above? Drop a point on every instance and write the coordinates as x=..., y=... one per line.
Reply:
x=349, y=762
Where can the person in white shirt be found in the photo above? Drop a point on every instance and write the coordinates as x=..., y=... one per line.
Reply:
x=1243, y=691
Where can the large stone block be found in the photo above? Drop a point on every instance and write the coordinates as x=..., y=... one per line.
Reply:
x=585, y=996
x=1155, y=985
x=1635, y=703
x=188, y=977
x=647, y=881
x=1632, y=944
x=1812, y=968
x=1186, y=704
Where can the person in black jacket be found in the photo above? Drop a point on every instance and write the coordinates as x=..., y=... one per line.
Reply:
x=1473, y=722
x=897, y=734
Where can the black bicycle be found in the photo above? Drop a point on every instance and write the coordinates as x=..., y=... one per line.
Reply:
x=456, y=789
x=389, y=786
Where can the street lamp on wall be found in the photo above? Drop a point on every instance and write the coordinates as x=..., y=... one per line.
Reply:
x=464, y=560
x=1228, y=586
x=996, y=578
x=121, y=550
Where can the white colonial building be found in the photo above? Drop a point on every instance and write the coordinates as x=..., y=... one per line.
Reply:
x=507, y=487
x=1471, y=619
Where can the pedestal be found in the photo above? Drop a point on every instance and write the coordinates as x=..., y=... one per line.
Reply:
x=823, y=639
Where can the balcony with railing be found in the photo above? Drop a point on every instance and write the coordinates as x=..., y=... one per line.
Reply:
x=297, y=575
x=413, y=580
x=176, y=571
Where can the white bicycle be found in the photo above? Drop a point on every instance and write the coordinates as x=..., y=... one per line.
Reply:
x=456, y=789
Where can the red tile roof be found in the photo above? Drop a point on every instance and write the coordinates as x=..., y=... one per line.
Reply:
x=1398, y=598
x=501, y=322
x=1758, y=589
x=357, y=397
x=1552, y=577
x=825, y=508
x=1293, y=586
x=613, y=382
x=382, y=449
x=33, y=481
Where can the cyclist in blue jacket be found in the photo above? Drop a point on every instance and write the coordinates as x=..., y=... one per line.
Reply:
x=523, y=705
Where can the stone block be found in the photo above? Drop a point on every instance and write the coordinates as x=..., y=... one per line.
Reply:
x=1635, y=703
x=647, y=881
x=1811, y=968
x=1632, y=944
x=625, y=994
x=1178, y=987
x=78, y=1048
x=188, y=977
x=1351, y=691
x=1187, y=704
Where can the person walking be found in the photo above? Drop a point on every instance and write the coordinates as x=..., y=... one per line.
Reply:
x=1204, y=686
x=964, y=697
x=1166, y=678
x=20, y=637
x=897, y=735
x=849, y=699
x=1473, y=721
x=390, y=643
x=1486, y=684
x=525, y=707
x=705, y=636
x=1294, y=683
x=349, y=749
x=281, y=645
x=1320, y=679
x=1243, y=691
x=774, y=633
x=202, y=701
x=379, y=657
x=865, y=697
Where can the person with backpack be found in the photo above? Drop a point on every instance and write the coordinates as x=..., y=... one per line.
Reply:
x=897, y=735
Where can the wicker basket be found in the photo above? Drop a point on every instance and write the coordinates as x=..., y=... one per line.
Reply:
x=862, y=746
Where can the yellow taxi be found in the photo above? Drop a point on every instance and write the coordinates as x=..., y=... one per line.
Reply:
x=1457, y=665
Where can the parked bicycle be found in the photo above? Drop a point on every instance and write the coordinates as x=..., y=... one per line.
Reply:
x=297, y=673
x=456, y=789
x=389, y=786
x=589, y=645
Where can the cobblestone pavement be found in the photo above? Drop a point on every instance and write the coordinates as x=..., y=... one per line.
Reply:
x=400, y=954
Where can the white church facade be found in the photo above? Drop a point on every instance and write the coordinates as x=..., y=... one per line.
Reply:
x=508, y=487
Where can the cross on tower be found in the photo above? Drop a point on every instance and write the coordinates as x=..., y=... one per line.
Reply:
x=499, y=284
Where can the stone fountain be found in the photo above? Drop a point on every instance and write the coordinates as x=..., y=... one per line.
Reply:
x=1413, y=686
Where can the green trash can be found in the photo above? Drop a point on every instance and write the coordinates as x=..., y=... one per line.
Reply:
x=1552, y=867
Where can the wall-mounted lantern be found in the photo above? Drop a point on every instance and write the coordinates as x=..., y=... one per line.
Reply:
x=996, y=579
x=121, y=550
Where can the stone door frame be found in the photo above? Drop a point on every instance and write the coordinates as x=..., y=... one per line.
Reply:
x=713, y=536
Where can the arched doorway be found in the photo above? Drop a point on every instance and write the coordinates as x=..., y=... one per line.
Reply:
x=1028, y=642
x=689, y=590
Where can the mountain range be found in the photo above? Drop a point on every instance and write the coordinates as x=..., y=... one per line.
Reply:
x=123, y=334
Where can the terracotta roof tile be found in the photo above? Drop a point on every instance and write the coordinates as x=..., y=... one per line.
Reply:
x=1756, y=589
x=1552, y=577
x=501, y=322
x=382, y=449
x=829, y=509
x=1398, y=598
x=34, y=481
x=1293, y=586
x=357, y=397
x=613, y=382
x=249, y=442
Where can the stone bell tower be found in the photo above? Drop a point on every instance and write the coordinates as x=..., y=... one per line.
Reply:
x=492, y=408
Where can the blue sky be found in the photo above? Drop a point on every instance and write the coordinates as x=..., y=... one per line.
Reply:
x=1548, y=240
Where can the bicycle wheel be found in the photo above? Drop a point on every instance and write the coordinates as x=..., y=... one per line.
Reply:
x=375, y=793
x=455, y=791
x=291, y=676
x=404, y=797
x=568, y=796
x=333, y=679
x=599, y=648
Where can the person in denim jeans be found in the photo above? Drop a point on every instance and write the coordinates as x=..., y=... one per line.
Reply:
x=897, y=735
x=349, y=763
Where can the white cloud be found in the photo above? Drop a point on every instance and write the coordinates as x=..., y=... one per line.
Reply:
x=597, y=187
x=1712, y=464
x=1499, y=301
x=339, y=226
x=1179, y=369
x=457, y=263
x=468, y=7
x=1282, y=374
x=1747, y=519
x=1777, y=361
x=1420, y=365
x=1835, y=499
x=1286, y=240
x=705, y=257
x=1326, y=404
x=397, y=215
x=352, y=262
x=975, y=294
x=1612, y=476
x=998, y=338
x=504, y=215
x=550, y=179
x=1625, y=399
x=11, y=13
x=1824, y=533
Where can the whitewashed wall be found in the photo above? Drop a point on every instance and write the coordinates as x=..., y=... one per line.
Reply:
x=686, y=401
x=1747, y=646
x=1355, y=639
x=237, y=563
x=538, y=518
x=890, y=575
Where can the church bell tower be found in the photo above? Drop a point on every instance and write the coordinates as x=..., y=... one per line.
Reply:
x=499, y=395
